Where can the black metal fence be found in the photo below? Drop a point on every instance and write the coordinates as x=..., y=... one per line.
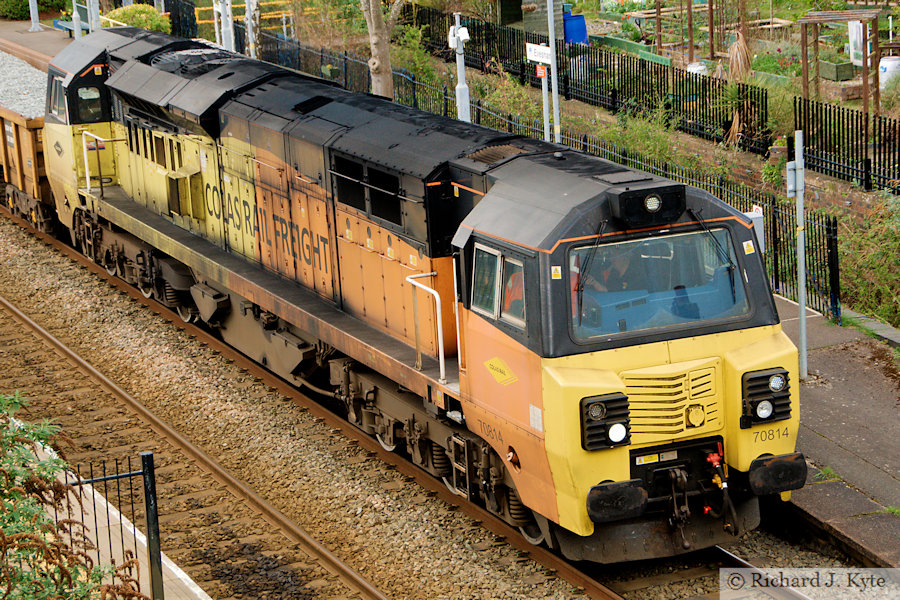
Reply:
x=850, y=144
x=698, y=104
x=104, y=486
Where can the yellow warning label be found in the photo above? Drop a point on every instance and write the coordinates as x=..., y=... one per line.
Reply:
x=501, y=371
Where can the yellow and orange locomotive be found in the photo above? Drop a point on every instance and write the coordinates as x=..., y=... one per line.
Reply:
x=588, y=351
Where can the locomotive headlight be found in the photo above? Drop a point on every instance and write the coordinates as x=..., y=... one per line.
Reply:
x=764, y=409
x=777, y=383
x=617, y=433
x=597, y=411
x=652, y=203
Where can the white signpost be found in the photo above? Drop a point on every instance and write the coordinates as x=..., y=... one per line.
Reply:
x=541, y=54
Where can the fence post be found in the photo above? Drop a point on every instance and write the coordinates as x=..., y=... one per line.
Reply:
x=478, y=112
x=346, y=74
x=152, y=516
x=774, y=245
x=446, y=103
x=584, y=143
x=415, y=90
x=834, y=276
x=567, y=92
x=522, y=72
x=867, y=174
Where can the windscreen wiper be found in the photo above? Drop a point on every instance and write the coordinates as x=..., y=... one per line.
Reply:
x=585, y=269
x=724, y=256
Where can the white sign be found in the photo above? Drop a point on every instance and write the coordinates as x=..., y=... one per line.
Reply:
x=538, y=53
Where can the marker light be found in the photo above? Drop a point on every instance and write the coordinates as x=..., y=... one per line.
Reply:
x=652, y=203
x=777, y=383
x=617, y=433
x=597, y=411
x=764, y=409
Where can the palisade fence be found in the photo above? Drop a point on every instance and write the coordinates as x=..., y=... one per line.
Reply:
x=823, y=286
x=849, y=144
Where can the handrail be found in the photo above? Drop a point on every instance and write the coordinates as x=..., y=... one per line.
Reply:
x=87, y=168
x=440, y=321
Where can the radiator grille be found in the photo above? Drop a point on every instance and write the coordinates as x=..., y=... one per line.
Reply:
x=674, y=401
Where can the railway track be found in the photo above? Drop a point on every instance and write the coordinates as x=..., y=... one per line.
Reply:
x=339, y=432
x=229, y=539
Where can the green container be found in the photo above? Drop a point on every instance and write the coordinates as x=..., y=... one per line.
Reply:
x=835, y=71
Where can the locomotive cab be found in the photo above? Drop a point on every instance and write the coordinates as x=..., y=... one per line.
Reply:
x=621, y=383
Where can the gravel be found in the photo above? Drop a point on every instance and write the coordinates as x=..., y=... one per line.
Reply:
x=24, y=87
x=412, y=546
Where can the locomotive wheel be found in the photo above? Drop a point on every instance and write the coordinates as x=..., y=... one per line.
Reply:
x=532, y=534
x=453, y=489
x=186, y=313
x=385, y=445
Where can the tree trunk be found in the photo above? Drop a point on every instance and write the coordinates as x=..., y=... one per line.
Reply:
x=380, y=44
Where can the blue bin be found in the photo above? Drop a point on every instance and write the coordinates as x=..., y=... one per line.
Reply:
x=575, y=29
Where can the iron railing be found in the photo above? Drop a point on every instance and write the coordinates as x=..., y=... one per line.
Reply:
x=109, y=498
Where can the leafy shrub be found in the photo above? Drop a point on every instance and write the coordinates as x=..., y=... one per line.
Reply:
x=409, y=53
x=870, y=260
x=140, y=15
x=37, y=562
x=16, y=10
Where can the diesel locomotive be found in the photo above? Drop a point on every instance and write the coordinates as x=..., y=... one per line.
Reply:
x=590, y=352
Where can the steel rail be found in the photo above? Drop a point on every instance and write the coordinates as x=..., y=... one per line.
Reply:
x=271, y=514
x=778, y=593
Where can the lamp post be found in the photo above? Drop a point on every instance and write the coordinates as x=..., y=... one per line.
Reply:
x=456, y=39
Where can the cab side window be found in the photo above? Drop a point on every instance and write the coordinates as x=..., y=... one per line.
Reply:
x=498, y=286
x=484, y=281
x=512, y=304
x=89, y=107
x=58, y=98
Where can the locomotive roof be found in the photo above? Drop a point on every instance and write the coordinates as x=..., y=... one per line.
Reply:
x=398, y=137
x=86, y=51
x=537, y=199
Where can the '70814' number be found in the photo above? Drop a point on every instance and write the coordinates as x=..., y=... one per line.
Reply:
x=770, y=434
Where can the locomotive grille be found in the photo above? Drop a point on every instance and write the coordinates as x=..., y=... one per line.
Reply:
x=673, y=401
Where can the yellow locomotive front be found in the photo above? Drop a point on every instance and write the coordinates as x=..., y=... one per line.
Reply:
x=652, y=402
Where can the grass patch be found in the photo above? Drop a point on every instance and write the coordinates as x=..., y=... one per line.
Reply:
x=828, y=474
x=892, y=510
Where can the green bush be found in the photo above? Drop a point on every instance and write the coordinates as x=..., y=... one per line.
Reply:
x=140, y=15
x=409, y=53
x=870, y=260
x=37, y=562
x=16, y=10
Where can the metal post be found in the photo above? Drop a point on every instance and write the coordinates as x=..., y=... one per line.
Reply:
x=152, y=515
x=227, y=25
x=251, y=12
x=551, y=31
x=801, y=249
x=217, y=20
x=544, y=93
x=457, y=39
x=35, y=19
x=94, y=14
x=76, y=20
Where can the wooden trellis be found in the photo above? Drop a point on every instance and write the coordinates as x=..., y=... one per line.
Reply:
x=869, y=19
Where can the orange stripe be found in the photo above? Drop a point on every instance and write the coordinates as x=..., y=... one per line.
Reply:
x=90, y=68
x=613, y=233
x=468, y=189
x=434, y=183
